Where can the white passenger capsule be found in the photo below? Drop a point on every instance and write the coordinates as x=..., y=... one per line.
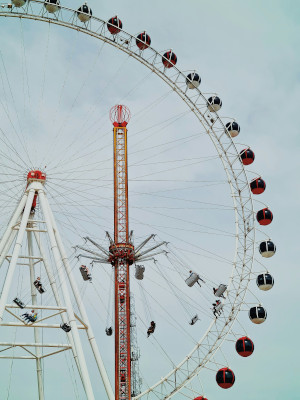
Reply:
x=265, y=282
x=84, y=13
x=193, y=80
x=52, y=5
x=18, y=3
x=267, y=249
x=257, y=314
x=233, y=128
x=214, y=103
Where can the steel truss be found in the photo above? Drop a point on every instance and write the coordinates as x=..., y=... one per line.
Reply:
x=23, y=223
x=136, y=380
x=235, y=172
x=121, y=256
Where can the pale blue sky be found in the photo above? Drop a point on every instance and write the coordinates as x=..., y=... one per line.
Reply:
x=247, y=52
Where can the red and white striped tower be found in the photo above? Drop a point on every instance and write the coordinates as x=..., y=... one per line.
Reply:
x=121, y=254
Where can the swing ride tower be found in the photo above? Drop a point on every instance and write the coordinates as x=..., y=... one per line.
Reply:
x=122, y=254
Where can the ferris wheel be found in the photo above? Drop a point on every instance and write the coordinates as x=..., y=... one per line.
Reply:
x=189, y=272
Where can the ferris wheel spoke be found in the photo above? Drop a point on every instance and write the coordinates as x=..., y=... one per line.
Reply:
x=26, y=91
x=81, y=131
x=73, y=159
x=9, y=145
x=182, y=141
x=140, y=114
x=82, y=197
x=166, y=123
x=193, y=223
x=44, y=71
x=181, y=167
x=213, y=256
x=86, y=77
x=20, y=136
x=108, y=82
x=78, y=206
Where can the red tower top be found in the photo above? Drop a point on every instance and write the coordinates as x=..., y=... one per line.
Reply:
x=36, y=175
x=119, y=115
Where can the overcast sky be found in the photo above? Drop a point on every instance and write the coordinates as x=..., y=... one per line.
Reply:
x=247, y=52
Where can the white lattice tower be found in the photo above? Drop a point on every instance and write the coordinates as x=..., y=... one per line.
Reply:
x=58, y=270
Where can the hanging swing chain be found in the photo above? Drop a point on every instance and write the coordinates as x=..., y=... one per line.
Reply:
x=146, y=304
x=109, y=318
x=167, y=280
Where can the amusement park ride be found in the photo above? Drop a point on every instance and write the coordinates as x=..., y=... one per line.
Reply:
x=122, y=254
x=25, y=227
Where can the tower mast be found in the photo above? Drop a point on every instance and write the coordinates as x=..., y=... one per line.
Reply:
x=122, y=254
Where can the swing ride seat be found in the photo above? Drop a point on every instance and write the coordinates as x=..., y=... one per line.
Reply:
x=194, y=320
x=85, y=273
x=219, y=307
x=139, y=272
x=109, y=331
x=151, y=328
x=32, y=318
x=65, y=327
x=39, y=287
x=221, y=289
x=19, y=302
x=192, y=279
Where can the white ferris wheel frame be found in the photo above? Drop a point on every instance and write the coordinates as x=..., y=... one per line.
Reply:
x=239, y=280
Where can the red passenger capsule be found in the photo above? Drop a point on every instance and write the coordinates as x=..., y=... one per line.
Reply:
x=247, y=156
x=225, y=378
x=114, y=25
x=200, y=398
x=264, y=216
x=244, y=346
x=169, y=59
x=143, y=41
x=257, y=186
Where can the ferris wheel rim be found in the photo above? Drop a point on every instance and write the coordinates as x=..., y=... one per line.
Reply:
x=244, y=222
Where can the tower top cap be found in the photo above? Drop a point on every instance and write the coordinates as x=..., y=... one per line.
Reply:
x=119, y=115
x=36, y=175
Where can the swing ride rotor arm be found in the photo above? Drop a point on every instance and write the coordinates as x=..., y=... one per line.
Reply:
x=97, y=245
x=140, y=246
x=95, y=259
x=151, y=256
x=89, y=251
x=138, y=256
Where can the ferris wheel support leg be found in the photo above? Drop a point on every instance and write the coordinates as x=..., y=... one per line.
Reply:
x=12, y=222
x=57, y=297
x=72, y=320
x=9, y=242
x=16, y=252
x=39, y=370
x=90, y=334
